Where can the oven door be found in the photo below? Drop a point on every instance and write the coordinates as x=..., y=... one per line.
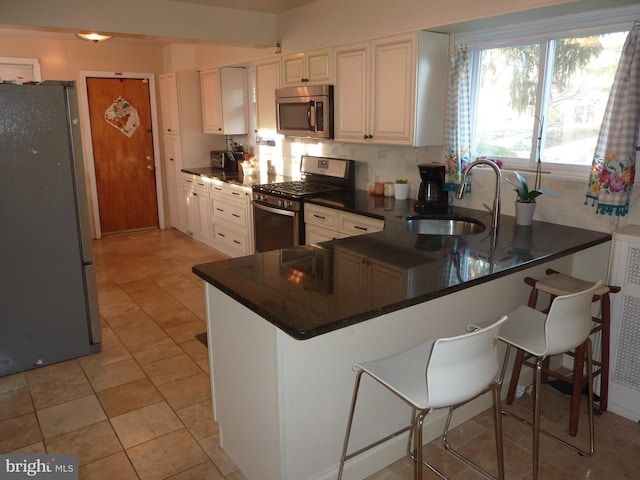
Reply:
x=275, y=228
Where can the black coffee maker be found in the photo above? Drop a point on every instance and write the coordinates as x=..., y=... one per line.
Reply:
x=432, y=197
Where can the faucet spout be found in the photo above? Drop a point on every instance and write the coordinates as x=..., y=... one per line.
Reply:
x=496, y=199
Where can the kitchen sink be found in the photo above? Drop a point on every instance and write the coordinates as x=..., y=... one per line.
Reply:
x=445, y=225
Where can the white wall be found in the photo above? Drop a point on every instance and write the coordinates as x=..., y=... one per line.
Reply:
x=331, y=22
x=164, y=18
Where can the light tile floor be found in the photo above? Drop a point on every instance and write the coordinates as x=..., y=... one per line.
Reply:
x=141, y=409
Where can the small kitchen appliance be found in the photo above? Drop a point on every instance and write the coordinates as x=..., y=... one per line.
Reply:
x=224, y=160
x=432, y=197
x=305, y=111
x=278, y=207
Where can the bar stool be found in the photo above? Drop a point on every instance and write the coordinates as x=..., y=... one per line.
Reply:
x=566, y=326
x=556, y=284
x=447, y=372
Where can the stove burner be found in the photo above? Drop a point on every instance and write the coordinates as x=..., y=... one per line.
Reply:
x=297, y=188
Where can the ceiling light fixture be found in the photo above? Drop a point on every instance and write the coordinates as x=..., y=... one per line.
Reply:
x=93, y=37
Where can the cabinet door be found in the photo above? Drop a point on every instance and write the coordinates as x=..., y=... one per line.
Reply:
x=267, y=80
x=312, y=67
x=169, y=103
x=172, y=157
x=177, y=206
x=211, y=101
x=293, y=69
x=318, y=65
x=193, y=211
x=205, y=221
x=351, y=102
x=393, y=90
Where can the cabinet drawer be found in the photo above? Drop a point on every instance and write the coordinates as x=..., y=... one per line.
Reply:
x=227, y=212
x=197, y=183
x=230, y=238
x=317, y=215
x=228, y=193
x=352, y=224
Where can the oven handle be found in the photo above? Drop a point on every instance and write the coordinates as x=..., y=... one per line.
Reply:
x=277, y=211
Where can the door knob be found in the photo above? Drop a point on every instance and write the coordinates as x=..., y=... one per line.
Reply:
x=150, y=167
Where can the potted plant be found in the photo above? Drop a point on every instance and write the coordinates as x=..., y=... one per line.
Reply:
x=526, y=199
x=401, y=189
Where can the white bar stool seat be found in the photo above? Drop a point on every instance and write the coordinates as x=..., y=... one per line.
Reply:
x=437, y=373
x=566, y=326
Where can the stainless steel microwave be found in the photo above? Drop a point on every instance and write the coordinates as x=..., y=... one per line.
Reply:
x=305, y=111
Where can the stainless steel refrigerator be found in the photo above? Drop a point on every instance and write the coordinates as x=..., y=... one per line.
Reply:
x=48, y=293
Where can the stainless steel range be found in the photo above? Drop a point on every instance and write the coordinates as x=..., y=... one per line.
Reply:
x=278, y=207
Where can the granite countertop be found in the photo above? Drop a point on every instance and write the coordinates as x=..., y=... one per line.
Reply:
x=237, y=178
x=310, y=290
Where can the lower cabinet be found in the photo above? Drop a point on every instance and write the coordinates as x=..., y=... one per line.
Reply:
x=324, y=223
x=196, y=195
x=232, y=218
x=177, y=206
x=213, y=212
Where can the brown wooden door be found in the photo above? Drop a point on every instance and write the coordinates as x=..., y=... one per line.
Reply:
x=121, y=131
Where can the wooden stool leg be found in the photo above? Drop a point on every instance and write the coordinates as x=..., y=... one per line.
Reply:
x=578, y=375
x=604, y=351
x=515, y=375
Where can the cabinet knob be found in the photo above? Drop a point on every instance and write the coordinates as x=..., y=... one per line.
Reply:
x=151, y=167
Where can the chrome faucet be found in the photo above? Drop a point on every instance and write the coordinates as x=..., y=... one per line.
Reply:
x=496, y=200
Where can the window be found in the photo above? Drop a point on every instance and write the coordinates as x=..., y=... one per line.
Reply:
x=542, y=94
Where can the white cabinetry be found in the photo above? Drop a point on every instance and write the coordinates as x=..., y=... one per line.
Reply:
x=169, y=103
x=267, y=80
x=224, y=100
x=184, y=142
x=232, y=218
x=312, y=67
x=324, y=223
x=624, y=385
x=392, y=90
x=177, y=206
x=196, y=193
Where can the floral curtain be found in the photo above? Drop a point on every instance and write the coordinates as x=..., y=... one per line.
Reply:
x=458, y=121
x=613, y=167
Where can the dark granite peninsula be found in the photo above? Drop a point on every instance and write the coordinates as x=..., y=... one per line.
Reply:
x=282, y=403
x=311, y=290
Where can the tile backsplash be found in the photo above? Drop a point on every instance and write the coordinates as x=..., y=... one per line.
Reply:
x=379, y=163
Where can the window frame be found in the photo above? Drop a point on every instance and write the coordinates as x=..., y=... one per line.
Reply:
x=541, y=32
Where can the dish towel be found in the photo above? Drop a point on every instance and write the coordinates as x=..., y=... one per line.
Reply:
x=613, y=167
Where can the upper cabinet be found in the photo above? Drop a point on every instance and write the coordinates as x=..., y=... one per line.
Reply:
x=169, y=103
x=267, y=80
x=392, y=90
x=224, y=100
x=312, y=67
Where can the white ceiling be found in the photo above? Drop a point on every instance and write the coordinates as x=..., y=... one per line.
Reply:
x=265, y=6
